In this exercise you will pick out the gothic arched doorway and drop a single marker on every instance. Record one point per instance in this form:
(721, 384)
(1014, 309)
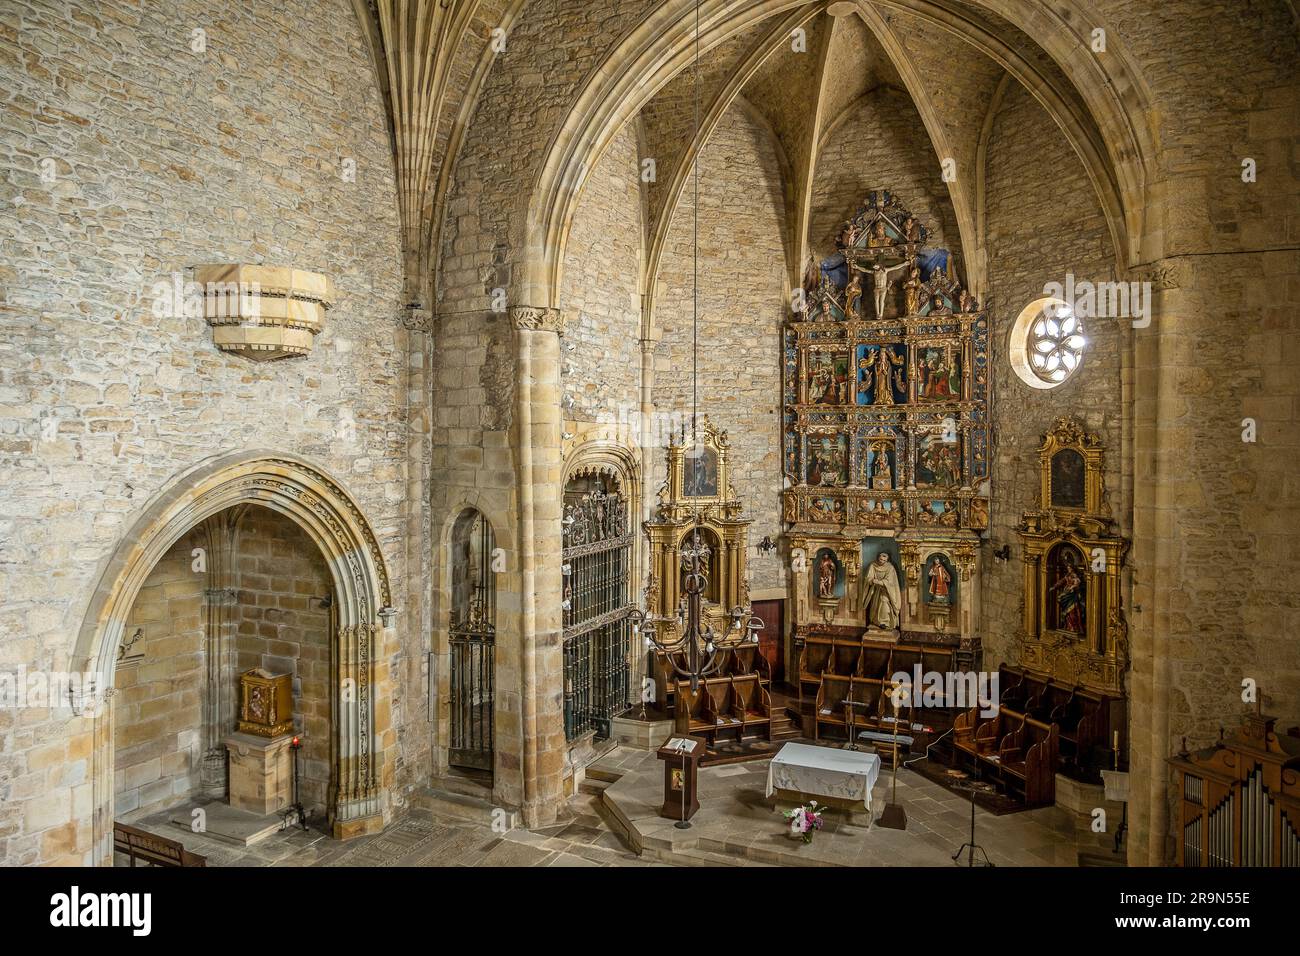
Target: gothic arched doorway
(472, 642)
(360, 605)
(597, 568)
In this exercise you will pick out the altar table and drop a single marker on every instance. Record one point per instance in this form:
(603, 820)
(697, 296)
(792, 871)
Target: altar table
(838, 777)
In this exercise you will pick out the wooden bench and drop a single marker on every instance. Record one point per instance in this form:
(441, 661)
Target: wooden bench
(829, 707)
(1016, 751)
(744, 660)
(753, 705)
(693, 710)
(1084, 717)
(874, 662)
(155, 850)
(724, 707)
(722, 694)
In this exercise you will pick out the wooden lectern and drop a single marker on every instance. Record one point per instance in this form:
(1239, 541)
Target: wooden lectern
(681, 756)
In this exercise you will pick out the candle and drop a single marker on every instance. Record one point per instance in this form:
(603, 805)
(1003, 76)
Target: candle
(1116, 740)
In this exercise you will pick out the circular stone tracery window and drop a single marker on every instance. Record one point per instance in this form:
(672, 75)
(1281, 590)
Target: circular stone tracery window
(1047, 343)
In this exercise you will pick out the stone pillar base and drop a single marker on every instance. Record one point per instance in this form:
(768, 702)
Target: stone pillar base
(261, 772)
(212, 778)
(358, 827)
(641, 734)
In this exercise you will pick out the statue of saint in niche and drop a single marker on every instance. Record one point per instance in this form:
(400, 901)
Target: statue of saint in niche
(881, 476)
(853, 292)
(826, 577)
(912, 287)
(940, 581)
(881, 595)
(886, 369)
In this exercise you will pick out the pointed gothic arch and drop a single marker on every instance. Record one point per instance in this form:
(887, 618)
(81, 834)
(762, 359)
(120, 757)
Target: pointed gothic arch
(316, 502)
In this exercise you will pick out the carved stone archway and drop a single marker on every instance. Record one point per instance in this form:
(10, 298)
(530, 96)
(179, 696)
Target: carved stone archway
(306, 494)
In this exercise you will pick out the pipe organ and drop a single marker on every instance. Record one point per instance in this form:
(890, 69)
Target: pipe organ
(1240, 799)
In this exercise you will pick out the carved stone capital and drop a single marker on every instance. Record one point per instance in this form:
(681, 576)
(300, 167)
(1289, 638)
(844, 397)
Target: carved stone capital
(1162, 274)
(527, 318)
(417, 320)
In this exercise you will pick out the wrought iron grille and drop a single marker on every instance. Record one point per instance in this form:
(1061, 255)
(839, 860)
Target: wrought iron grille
(472, 641)
(597, 607)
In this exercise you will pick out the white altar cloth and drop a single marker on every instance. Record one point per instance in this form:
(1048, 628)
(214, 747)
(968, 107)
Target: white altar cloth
(824, 772)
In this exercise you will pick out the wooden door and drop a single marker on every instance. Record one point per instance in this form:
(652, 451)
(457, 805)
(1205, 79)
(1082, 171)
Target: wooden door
(771, 639)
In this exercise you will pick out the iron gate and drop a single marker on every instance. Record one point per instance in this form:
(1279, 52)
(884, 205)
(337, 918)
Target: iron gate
(597, 607)
(472, 642)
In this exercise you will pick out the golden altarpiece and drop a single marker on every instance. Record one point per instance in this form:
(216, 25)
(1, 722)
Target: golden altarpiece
(886, 404)
(697, 494)
(698, 485)
(1073, 629)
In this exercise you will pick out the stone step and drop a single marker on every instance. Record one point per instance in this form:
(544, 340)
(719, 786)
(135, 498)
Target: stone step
(694, 856)
(593, 785)
(466, 808)
(462, 783)
(603, 774)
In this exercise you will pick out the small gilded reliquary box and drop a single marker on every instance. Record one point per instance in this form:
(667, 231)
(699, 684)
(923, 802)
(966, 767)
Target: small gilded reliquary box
(265, 703)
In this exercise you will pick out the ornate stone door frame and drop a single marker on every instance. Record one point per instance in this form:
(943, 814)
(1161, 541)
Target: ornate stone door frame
(362, 774)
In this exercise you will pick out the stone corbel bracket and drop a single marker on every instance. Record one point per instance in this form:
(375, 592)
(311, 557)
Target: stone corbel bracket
(264, 313)
(528, 318)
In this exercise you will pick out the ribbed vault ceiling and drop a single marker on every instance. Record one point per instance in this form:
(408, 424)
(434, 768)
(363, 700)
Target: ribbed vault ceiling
(949, 56)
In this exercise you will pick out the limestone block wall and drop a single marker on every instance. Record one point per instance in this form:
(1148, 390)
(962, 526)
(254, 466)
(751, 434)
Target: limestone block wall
(525, 99)
(881, 143)
(482, 452)
(742, 302)
(601, 354)
(158, 707)
(1043, 221)
(161, 159)
(1214, 516)
(283, 627)
(473, 378)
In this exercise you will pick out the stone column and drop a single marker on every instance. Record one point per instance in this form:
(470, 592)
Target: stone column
(219, 536)
(420, 543)
(1149, 616)
(537, 433)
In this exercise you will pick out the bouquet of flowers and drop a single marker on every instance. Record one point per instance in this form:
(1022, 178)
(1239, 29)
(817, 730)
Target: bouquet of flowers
(804, 820)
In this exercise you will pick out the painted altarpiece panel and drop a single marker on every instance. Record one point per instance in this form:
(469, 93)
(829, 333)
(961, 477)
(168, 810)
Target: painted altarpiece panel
(1073, 628)
(916, 418)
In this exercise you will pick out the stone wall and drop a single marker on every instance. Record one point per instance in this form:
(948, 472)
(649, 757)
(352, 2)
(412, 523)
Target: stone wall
(601, 295)
(880, 144)
(1043, 221)
(158, 707)
(163, 159)
(1214, 516)
(283, 626)
(742, 302)
(525, 99)
(474, 391)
